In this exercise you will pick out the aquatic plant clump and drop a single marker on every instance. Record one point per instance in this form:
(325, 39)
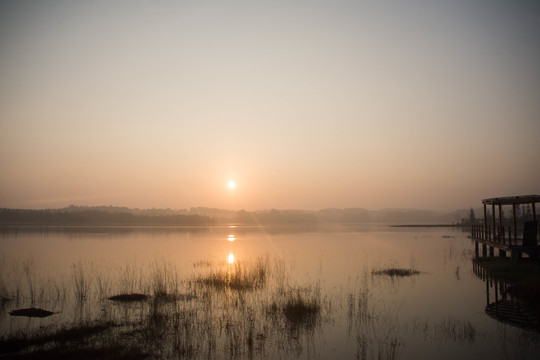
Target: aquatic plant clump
(301, 311)
(396, 272)
(242, 276)
(129, 297)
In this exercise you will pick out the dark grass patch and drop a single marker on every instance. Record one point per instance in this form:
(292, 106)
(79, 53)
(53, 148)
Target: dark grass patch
(129, 297)
(396, 272)
(300, 308)
(106, 352)
(62, 335)
(31, 312)
(301, 312)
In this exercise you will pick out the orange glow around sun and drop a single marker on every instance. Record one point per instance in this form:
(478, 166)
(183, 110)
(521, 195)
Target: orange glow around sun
(231, 185)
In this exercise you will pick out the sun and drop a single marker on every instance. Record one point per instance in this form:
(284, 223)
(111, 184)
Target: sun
(231, 185)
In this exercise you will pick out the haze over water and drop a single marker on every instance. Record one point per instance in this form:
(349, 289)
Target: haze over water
(304, 104)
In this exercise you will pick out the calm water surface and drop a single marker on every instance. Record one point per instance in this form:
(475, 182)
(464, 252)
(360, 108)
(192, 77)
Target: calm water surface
(436, 314)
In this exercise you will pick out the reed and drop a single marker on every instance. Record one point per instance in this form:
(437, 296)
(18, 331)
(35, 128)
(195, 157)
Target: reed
(82, 281)
(131, 278)
(241, 276)
(164, 279)
(302, 308)
(28, 270)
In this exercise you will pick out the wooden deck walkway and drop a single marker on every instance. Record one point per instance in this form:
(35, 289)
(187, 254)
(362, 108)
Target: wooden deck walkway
(506, 238)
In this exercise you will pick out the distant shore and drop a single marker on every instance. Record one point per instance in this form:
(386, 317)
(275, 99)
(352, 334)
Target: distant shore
(428, 225)
(121, 216)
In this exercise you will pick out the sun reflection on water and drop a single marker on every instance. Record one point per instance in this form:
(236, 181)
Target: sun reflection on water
(230, 258)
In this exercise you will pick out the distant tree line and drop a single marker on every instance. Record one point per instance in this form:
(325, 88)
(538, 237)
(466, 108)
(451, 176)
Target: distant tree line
(94, 217)
(110, 215)
(274, 217)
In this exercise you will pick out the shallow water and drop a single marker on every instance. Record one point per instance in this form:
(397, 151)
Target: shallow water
(436, 314)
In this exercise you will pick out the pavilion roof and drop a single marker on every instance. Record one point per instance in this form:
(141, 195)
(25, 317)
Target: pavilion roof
(509, 200)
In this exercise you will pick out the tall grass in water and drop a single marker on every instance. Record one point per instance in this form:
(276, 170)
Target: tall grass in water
(164, 279)
(240, 276)
(446, 330)
(28, 270)
(302, 307)
(82, 281)
(3, 287)
(375, 327)
(131, 279)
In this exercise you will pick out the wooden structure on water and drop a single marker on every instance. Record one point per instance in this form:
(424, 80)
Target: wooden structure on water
(516, 239)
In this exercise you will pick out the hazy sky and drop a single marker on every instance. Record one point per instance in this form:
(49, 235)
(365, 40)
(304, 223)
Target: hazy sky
(305, 104)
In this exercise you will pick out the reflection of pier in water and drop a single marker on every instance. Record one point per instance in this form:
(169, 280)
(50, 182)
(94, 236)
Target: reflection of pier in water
(502, 305)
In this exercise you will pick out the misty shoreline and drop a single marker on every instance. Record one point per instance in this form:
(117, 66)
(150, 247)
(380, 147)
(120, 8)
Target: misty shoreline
(120, 216)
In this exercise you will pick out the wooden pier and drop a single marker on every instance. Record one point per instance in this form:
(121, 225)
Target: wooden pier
(514, 239)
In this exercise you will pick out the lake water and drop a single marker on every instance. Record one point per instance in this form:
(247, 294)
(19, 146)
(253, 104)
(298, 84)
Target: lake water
(439, 313)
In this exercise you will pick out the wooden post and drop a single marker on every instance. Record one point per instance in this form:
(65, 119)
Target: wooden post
(500, 221)
(496, 299)
(487, 291)
(493, 220)
(514, 223)
(485, 221)
(533, 211)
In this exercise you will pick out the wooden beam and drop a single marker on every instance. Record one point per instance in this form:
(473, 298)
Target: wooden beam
(514, 222)
(524, 199)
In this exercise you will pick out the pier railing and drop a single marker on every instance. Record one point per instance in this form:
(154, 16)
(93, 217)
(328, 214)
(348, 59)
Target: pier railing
(500, 234)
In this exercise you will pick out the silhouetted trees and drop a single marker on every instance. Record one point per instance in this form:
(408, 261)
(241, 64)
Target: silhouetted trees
(472, 217)
(94, 217)
(109, 215)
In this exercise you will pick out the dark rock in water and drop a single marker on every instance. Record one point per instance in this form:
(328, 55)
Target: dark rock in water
(31, 312)
(129, 297)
